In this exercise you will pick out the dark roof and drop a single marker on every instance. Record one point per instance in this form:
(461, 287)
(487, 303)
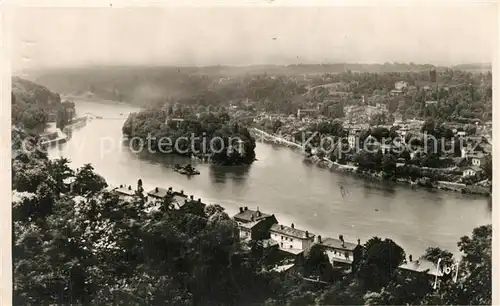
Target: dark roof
(162, 193)
(290, 231)
(475, 168)
(246, 215)
(337, 244)
(421, 265)
(248, 225)
(69, 180)
(476, 154)
(179, 199)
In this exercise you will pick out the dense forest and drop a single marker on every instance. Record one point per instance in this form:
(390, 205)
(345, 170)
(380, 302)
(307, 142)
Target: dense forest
(34, 105)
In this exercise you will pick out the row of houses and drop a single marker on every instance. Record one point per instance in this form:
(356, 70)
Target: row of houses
(472, 155)
(179, 199)
(294, 243)
(253, 225)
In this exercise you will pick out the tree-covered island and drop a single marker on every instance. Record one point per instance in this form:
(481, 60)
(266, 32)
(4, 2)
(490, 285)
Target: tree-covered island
(191, 131)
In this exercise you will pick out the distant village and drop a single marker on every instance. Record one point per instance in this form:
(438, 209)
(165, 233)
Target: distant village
(470, 163)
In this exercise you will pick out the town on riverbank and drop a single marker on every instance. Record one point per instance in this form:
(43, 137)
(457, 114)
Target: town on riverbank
(369, 140)
(116, 235)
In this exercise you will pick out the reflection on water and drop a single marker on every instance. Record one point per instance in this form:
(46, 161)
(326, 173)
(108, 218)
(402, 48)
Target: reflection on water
(217, 177)
(236, 174)
(297, 192)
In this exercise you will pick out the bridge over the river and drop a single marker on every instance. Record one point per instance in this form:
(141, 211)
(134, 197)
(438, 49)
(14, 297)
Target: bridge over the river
(264, 136)
(94, 116)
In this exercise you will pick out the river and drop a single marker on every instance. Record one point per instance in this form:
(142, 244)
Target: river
(281, 183)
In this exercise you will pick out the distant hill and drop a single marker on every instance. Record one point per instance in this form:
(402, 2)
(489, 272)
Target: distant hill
(32, 93)
(32, 104)
(142, 84)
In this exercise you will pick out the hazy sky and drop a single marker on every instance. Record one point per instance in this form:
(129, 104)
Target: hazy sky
(47, 37)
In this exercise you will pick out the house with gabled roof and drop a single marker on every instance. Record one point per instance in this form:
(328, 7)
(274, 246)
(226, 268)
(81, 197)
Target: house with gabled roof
(254, 224)
(125, 192)
(158, 193)
(291, 240)
(341, 252)
(471, 171)
(421, 265)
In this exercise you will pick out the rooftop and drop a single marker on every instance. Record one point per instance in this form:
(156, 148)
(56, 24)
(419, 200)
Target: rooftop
(333, 257)
(292, 251)
(476, 154)
(338, 244)
(283, 268)
(267, 243)
(179, 199)
(249, 215)
(125, 191)
(291, 231)
(475, 168)
(69, 180)
(158, 192)
(422, 265)
(248, 225)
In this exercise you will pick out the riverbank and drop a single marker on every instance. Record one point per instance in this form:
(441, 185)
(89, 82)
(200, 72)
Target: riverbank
(95, 100)
(380, 176)
(372, 175)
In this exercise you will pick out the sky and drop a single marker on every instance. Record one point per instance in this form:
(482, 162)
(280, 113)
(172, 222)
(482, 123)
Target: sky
(182, 36)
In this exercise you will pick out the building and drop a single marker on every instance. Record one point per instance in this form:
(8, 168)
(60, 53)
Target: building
(125, 192)
(433, 75)
(381, 106)
(254, 224)
(178, 199)
(158, 193)
(309, 113)
(475, 145)
(175, 121)
(471, 171)
(286, 268)
(428, 103)
(68, 183)
(353, 137)
(290, 239)
(183, 203)
(396, 92)
(339, 251)
(478, 159)
(421, 265)
(400, 85)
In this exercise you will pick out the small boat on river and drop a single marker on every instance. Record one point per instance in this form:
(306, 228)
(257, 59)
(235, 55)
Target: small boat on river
(186, 170)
